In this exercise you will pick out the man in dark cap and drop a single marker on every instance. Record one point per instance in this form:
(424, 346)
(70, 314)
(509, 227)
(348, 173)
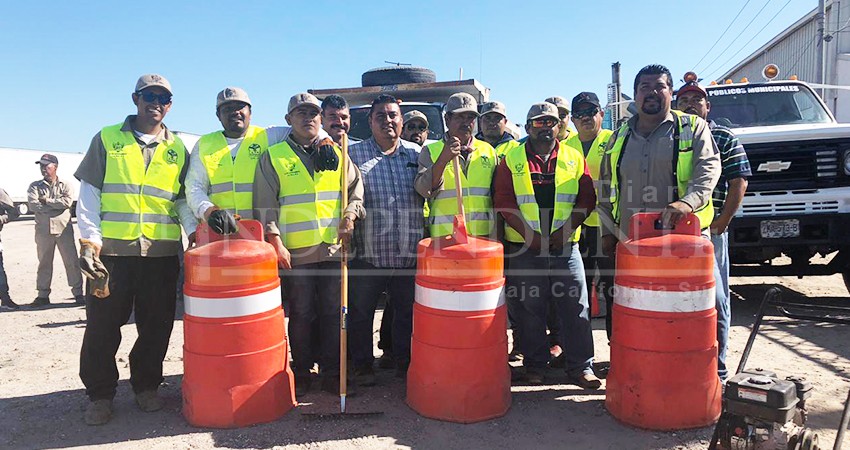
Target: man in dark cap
(51, 199)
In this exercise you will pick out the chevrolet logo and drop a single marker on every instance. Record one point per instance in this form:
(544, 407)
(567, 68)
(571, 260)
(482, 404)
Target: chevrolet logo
(773, 166)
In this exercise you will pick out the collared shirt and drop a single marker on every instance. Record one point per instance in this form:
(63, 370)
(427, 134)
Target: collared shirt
(542, 171)
(733, 160)
(91, 173)
(388, 237)
(267, 206)
(646, 173)
(422, 184)
(54, 215)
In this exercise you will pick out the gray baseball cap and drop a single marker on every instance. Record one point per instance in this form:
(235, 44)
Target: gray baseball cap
(494, 107)
(544, 109)
(153, 79)
(232, 94)
(460, 103)
(303, 98)
(415, 115)
(559, 102)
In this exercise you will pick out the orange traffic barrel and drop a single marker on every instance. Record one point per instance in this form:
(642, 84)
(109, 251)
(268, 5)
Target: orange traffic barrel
(663, 372)
(235, 353)
(459, 350)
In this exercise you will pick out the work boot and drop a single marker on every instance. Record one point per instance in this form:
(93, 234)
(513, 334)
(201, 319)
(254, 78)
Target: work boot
(535, 375)
(558, 362)
(148, 401)
(40, 301)
(386, 361)
(364, 376)
(99, 412)
(330, 384)
(586, 380)
(401, 368)
(7, 303)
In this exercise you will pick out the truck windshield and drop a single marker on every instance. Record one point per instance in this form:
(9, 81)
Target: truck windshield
(765, 104)
(360, 120)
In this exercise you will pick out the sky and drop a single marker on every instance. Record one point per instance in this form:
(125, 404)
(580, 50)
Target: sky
(69, 68)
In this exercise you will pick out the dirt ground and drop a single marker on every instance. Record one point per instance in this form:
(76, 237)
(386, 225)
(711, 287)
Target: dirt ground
(42, 399)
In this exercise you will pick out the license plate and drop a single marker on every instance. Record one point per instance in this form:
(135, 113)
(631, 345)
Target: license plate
(776, 229)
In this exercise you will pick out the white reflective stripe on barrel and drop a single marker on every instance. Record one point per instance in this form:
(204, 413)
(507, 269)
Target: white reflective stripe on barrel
(664, 301)
(460, 300)
(217, 308)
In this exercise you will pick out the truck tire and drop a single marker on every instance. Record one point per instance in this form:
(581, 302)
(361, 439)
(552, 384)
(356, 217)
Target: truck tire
(382, 76)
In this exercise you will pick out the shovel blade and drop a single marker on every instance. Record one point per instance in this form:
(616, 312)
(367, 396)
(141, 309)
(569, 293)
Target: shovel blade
(459, 234)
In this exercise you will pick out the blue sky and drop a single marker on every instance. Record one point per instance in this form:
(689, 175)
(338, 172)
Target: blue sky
(69, 67)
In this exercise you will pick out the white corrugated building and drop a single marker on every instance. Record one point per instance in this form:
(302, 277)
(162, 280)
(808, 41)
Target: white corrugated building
(795, 51)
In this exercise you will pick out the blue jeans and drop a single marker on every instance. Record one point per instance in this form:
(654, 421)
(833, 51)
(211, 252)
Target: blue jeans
(533, 281)
(724, 308)
(367, 284)
(4, 282)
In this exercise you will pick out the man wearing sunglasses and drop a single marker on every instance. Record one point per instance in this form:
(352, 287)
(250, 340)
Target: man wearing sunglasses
(544, 191)
(223, 163)
(415, 128)
(493, 125)
(436, 178)
(129, 214)
(592, 140)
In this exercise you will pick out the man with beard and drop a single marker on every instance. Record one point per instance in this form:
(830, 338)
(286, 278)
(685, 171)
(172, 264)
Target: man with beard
(592, 140)
(223, 163)
(658, 161)
(415, 128)
(297, 197)
(129, 213)
(336, 118)
(436, 178)
(544, 192)
(493, 125)
(727, 198)
(385, 241)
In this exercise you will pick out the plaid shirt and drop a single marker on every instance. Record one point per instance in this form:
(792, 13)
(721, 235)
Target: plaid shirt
(394, 225)
(733, 160)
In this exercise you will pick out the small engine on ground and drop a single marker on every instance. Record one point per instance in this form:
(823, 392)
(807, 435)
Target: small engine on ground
(764, 412)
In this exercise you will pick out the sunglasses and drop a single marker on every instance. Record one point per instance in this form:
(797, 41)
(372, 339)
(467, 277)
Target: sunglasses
(150, 97)
(543, 122)
(589, 112)
(412, 127)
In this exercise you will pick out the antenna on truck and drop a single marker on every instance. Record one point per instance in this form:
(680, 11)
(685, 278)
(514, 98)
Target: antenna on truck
(398, 64)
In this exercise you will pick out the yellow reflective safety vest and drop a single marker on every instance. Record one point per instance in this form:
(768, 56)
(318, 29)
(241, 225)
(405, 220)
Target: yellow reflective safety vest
(683, 164)
(503, 148)
(476, 182)
(310, 206)
(232, 181)
(568, 170)
(593, 160)
(136, 201)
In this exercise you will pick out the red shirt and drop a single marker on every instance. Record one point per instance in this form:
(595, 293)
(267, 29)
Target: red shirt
(543, 181)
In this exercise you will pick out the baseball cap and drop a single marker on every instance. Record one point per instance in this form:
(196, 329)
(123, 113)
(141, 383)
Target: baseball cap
(559, 102)
(415, 115)
(303, 98)
(47, 158)
(544, 109)
(153, 79)
(461, 102)
(493, 107)
(585, 97)
(691, 86)
(232, 94)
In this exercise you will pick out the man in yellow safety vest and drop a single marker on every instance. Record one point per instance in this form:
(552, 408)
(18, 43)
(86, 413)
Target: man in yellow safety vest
(436, 178)
(129, 213)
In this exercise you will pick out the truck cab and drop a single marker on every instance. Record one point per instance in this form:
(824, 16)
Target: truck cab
(798, 199)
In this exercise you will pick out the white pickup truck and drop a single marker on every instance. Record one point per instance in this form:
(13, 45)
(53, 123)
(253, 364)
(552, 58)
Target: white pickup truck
(798, 200)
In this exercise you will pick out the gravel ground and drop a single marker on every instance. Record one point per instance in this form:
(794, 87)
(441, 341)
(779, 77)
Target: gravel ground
(42, 400)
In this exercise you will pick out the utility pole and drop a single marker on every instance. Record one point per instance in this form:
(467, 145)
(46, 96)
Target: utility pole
(820, 68)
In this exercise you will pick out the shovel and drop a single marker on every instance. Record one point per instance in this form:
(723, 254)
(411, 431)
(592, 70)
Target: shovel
(459, 233)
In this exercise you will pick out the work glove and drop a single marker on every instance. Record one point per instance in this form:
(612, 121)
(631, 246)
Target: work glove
(324, 156)
(93, 268)
(222, 222)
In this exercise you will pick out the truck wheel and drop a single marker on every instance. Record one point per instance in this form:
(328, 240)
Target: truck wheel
(397, 75)
(23, 209)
